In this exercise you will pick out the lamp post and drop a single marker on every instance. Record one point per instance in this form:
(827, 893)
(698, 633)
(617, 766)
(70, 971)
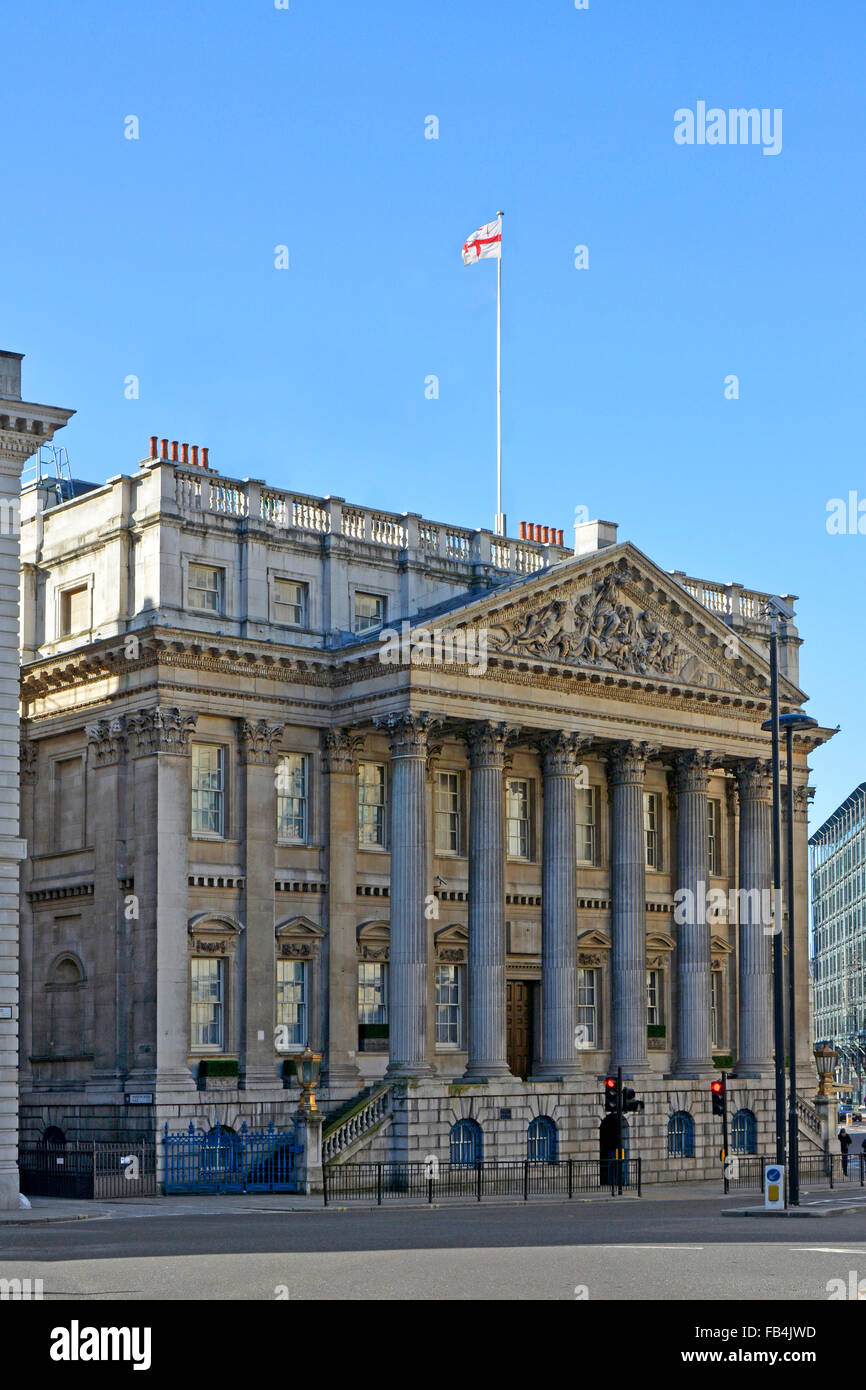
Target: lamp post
(790, 722)
(777, 608)
(307, 1067)
(826, 1057)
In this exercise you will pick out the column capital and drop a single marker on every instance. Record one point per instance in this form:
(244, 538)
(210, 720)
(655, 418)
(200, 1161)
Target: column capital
(803, 798)
(162, 730)
(256, 740)
(408, 731)
(561, 752)
(108, 739)
(340, 749)
(487, 741)
(753, 777)
(626, 762)
(692, 770)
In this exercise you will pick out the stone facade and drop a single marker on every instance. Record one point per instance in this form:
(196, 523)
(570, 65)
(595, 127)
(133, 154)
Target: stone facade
(23, 428)
(422, 797)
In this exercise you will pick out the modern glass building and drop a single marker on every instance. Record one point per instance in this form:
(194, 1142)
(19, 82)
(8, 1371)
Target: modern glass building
(838, 868)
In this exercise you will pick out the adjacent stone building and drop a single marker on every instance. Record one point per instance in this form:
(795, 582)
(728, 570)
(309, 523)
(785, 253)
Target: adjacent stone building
(473, 816)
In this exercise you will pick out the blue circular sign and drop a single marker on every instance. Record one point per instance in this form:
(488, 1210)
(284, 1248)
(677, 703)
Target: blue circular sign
(774, 1174)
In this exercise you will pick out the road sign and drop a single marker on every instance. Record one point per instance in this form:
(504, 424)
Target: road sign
(774, 1186)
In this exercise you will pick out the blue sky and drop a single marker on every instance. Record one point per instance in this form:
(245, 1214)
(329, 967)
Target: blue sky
(306, 127)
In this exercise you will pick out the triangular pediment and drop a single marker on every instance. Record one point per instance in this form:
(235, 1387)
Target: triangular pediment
(299, 926)
(615, 613)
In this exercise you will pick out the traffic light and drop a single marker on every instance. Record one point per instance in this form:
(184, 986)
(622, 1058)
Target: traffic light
(630, 1100)
(610, 1095)
(719, 1094)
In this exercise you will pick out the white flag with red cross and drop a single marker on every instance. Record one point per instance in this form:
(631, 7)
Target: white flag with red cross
(485, 244)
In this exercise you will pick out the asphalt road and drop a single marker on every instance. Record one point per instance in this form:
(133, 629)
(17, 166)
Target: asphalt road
(631, 1250)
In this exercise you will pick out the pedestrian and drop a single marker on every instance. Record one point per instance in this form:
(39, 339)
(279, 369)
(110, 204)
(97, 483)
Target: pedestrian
(844, 1144)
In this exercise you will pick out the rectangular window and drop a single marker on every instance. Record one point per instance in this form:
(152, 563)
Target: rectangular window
(448, 1005)
(371, 804)
(292, 1000)
(714, 844)
(74, 610)
(291, 602)
(369, 612)
(654, 1010)
(208, 789)
(715, 1003)
(292, 798)
(586, 825)
(372, 1007)
(448, 827)
(206, 588)
(651, 830)
(207, 1003)
(587, 1008)
(518, 825)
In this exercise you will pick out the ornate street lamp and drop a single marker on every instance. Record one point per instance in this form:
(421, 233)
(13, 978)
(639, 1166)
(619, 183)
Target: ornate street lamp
(826, 1058)
(307, 1068)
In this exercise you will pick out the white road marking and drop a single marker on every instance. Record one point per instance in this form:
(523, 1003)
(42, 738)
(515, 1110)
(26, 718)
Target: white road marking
(822, 1250)
(652, 1247)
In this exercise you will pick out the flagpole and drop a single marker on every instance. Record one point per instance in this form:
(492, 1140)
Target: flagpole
(500, 519)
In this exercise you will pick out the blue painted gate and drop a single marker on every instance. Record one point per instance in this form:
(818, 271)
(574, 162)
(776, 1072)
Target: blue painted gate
(229, 1160)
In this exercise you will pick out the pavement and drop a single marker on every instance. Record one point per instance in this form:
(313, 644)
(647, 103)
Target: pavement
(47, 1209)
(51, 1209)
(670, 1245)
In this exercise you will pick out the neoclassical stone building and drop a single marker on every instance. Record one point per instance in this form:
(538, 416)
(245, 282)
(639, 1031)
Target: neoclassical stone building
(480, 819)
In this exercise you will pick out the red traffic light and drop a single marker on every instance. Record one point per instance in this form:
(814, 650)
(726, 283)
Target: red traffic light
(610, 1082)
(717, 1087)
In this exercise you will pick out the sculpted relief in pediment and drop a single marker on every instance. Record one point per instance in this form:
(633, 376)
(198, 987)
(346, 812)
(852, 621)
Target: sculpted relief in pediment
(595, 628)
(606, 626)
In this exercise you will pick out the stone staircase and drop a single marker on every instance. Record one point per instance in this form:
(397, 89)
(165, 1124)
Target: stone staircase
(810, 1126)
(353, 1127)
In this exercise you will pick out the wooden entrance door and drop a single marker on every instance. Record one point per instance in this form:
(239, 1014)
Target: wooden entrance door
(518, 1025)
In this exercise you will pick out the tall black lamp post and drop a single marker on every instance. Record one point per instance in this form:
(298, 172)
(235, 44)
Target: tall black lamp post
(790, 723)
(777, 608)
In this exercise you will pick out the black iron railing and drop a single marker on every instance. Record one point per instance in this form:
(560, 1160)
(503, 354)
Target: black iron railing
(95, 1170)
(746, 1171)
(432, 1181)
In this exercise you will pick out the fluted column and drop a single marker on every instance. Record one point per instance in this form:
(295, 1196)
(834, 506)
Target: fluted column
(626, 770)
(560, 755)
(340, 748)
(755, 1053)
(407, 987)
(487, 1044)
(258, 748)
(694, 1041)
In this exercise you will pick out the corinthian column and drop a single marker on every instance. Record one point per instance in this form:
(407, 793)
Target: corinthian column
(560, 754)
(407, 980)
(340, 748)
(755, 1055)
(694, 1041)
(626, 769)
(487, 1050)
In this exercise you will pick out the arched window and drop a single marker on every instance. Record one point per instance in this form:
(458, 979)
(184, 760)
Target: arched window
(744, 1133)
(681, 1135)
(53, 1138)
(541, 1140)
(466, 1143)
